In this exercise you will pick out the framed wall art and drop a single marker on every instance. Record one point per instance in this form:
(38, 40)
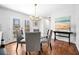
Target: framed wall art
(63, 23)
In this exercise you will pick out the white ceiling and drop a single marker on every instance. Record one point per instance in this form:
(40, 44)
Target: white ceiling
(44, 10)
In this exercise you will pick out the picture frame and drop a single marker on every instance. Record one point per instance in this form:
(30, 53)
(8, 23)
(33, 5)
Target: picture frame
(63, 23)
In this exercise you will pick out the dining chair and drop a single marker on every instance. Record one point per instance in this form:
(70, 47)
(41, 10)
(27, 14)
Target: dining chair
(32, 42)
(47, 40)
(19, 39)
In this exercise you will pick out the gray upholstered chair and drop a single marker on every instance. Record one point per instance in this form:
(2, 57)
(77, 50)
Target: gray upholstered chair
(32, 41)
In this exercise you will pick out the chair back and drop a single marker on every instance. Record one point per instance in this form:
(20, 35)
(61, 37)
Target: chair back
(32, 41)
(19, 36)
(47, 34)
(50, 35)
(36, 30)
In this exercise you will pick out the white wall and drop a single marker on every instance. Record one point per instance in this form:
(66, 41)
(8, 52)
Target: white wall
(77, 25)
(67, 10)
(6, 20)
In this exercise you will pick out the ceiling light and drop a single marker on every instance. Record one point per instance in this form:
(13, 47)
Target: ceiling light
(35, 17)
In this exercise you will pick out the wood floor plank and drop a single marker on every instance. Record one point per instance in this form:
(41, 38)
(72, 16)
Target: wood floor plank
(58, 48)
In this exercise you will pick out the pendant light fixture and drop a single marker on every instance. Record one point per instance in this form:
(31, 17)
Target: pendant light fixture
(35, 17)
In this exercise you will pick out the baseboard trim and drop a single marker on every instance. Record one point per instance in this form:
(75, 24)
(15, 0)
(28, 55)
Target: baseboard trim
(10, 42)
(77, 47)
(7, 44)
(23, 42)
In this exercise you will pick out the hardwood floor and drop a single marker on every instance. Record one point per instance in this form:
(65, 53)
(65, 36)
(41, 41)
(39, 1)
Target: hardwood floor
(58, 48)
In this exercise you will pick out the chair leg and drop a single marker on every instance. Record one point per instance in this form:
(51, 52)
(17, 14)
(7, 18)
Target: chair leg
(41, 47)
(50, 46)
(21, 44)
(16, 47)
(39, 53)
(26, 53)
